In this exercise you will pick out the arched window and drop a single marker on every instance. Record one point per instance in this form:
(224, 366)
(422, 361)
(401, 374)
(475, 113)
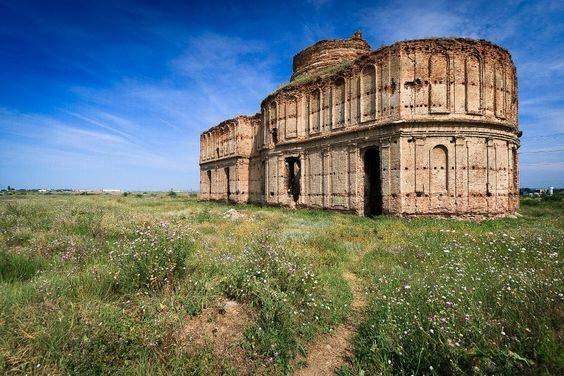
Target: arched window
(232, 139)
(291, 117)
(209, 146)
(202, 147)
(438, 78)
(355, 100)
(473, 84)
(499, 82)
(222, 143)
(509, 93)
(439, 169)
(340, 102)
(273, 118)
(368, 93)
(514, 170)
(315, 111)
(281, 118)
(219, 142)
(382, 85)
(265, 121)
(326, 109)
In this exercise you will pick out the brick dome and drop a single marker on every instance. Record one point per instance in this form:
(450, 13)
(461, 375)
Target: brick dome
(326, 53)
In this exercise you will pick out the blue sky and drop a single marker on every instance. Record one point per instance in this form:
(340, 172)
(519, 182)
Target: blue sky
(114, 94)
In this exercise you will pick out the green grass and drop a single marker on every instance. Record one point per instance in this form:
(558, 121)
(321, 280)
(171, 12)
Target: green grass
(106, 284)
(15, 267)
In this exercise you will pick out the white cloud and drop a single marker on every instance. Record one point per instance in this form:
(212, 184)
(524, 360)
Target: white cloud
(44, 136)
(392, 23)
(495, 21)
(229, 72)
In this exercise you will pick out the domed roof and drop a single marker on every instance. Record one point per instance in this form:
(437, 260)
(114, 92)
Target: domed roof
(327, 53)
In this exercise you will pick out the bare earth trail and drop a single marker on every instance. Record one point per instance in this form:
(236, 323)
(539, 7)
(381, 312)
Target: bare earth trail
(329, 351)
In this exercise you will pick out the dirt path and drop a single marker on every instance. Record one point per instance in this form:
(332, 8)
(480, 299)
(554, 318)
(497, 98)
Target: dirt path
(219, 329)
(329, 351)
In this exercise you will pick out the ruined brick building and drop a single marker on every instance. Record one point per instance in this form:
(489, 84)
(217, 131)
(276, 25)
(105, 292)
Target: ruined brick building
(418, 127)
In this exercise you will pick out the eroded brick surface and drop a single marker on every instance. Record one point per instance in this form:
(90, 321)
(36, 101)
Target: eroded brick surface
(418, 127)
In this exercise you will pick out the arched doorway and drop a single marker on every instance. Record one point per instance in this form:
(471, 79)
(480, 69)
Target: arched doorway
(228, 188)
(372, 182)
(293, 166)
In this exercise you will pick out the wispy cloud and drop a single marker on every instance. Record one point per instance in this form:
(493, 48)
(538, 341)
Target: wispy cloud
(496, 21)
(154, 124)
(48, 136)
(228, 71)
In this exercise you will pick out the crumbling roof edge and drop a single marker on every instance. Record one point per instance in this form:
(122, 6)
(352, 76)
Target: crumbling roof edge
(233, 120)
(325, 42)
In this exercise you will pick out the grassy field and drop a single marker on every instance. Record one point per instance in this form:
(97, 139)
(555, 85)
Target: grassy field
(159, 284)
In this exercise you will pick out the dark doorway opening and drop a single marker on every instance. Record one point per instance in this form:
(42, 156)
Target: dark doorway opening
(210, 182)
(227, 181)
(372, 182)
(263, 180)
(294, 173)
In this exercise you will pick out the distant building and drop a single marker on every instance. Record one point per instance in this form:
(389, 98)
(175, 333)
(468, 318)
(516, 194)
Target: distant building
(112, 191)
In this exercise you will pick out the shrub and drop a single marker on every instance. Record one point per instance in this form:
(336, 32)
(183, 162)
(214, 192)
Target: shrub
(153, 259)
(295, 298)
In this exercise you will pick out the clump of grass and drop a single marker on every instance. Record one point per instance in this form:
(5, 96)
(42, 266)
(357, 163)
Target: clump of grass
(18, 267)
(204, 216)
(155, 257)
(308, 78)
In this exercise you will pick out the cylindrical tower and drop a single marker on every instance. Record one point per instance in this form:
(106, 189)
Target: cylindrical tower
(325, 54)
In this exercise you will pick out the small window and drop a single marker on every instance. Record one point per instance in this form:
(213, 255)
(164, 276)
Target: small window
(439, 169)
